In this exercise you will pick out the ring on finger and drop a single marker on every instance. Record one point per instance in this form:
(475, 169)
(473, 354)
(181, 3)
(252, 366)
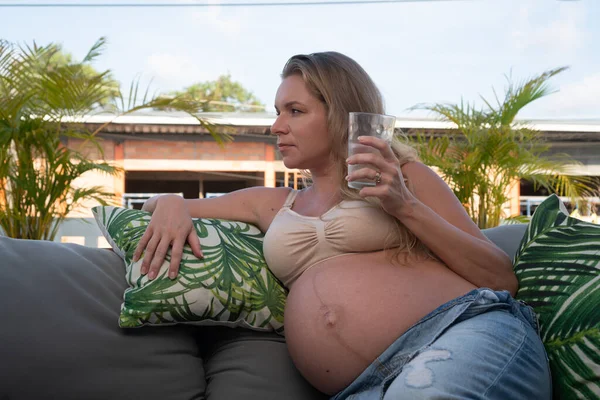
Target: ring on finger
(377, 177)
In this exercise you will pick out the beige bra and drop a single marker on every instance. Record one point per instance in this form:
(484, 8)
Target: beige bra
(294, 243)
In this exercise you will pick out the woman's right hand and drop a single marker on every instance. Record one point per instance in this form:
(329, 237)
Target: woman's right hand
(171, 226)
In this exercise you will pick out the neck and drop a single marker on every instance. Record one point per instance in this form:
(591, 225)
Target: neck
(325, 185)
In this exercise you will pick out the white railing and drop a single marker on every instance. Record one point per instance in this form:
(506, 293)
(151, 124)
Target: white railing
(129, 199)
(528, 203)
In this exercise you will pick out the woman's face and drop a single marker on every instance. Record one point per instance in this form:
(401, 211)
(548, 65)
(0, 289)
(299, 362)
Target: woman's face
(301, 126)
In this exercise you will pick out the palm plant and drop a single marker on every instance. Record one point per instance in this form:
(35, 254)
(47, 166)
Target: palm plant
(488, 152)
(41, 105)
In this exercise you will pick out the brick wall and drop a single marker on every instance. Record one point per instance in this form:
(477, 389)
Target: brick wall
(188, 150)
(154, 153)
(177, 150)
(91, 151)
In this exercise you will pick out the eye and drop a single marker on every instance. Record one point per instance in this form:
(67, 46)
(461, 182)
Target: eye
(296, 111)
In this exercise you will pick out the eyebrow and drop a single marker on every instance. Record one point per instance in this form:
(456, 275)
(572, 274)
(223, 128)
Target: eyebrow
(290, 104)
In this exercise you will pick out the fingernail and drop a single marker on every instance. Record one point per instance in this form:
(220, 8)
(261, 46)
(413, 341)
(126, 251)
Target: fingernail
(152, 275)
(172, 275)
(347, 178)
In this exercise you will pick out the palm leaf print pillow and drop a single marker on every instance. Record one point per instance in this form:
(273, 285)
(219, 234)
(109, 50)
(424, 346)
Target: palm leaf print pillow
(558, 267)
(230, 286)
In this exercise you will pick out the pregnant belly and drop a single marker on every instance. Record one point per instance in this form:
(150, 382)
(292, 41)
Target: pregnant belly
(343, 313)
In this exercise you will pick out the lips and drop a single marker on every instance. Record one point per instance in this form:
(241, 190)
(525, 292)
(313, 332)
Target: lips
(282, 146)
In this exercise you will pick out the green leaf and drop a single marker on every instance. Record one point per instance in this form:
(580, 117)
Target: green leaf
(230, 284)
(43, 95)
(558, 268)
(488, 152)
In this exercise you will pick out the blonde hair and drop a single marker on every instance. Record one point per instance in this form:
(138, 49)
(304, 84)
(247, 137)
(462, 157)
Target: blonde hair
(344, 87)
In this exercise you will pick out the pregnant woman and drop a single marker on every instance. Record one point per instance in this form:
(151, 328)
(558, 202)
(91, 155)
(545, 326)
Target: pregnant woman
(394, 292)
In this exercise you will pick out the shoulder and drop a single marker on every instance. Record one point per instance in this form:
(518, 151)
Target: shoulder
(424, 182)
(266, 196)
(268, 202)
(267, 191)
(263, 191)
(416, 172)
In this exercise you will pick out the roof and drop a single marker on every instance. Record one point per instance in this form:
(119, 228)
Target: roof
(267, 119)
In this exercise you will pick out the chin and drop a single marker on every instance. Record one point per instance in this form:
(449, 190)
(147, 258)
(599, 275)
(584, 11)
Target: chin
(291, 164)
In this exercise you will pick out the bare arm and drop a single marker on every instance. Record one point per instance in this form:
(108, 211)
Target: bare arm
(246, 205)
(435, 216)
(438, 219)
(171, 224)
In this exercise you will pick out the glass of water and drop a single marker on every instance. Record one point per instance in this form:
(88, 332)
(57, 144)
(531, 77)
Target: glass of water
(367, 124)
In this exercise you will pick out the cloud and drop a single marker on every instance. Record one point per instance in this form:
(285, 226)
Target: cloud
(230, 24)
(174, 70)
(577, 99)
(552, 32)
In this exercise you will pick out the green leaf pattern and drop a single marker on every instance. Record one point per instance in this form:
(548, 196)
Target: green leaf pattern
(230, 286)
(558, 267)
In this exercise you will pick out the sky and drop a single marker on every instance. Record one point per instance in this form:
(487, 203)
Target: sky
(416, 52)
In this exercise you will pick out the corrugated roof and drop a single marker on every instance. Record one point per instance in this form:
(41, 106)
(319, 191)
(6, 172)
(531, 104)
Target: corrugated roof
(266, 119)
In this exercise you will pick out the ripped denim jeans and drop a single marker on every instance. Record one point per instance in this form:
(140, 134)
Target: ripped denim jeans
(483, 345)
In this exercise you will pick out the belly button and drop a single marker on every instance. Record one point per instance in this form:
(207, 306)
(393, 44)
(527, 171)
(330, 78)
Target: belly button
(329, 316)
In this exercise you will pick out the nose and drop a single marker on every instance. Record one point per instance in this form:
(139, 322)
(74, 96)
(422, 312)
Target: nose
(280, 126)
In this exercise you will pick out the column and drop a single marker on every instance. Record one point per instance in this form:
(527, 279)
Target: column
(269, 165)
(515, 198)
(119, 180)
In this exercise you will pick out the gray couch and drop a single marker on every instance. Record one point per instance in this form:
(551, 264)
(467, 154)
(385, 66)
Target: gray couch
(59, 337)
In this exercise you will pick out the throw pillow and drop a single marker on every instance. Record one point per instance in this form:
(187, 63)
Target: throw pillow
(230, 286)
(558, 267)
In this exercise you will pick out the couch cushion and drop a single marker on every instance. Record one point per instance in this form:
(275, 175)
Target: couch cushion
(257, 362)
(230, 286)
(59, 337)
(558, 267)
(507, 237)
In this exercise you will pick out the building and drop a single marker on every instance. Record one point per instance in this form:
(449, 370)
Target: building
(172, 153)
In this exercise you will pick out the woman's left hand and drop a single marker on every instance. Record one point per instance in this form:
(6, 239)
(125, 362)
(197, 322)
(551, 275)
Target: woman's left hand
(390, 188)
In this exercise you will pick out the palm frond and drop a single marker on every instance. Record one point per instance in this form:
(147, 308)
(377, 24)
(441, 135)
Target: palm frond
(95, 51)
(43, 95)
(558, 268)
(519, 96)
(487, 153)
